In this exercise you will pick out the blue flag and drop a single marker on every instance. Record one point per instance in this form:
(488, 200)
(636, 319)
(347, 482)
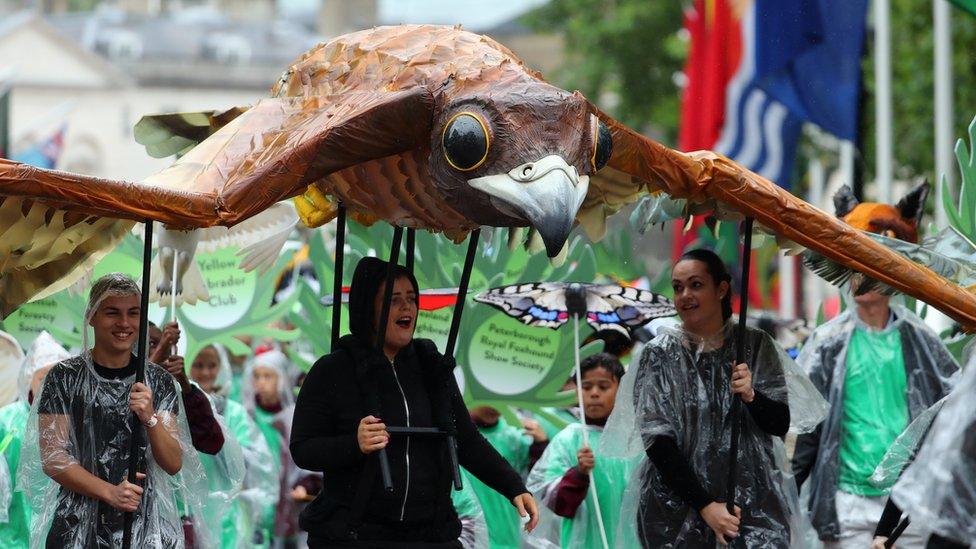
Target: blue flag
(808, 57)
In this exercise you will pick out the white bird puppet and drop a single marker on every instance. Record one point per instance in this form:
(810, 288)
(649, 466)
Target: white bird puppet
(260, 238)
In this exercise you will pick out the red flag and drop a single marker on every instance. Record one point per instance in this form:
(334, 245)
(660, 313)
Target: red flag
(713, 58)
(716, 50)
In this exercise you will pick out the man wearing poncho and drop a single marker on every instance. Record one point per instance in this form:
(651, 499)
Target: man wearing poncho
(78, 435)
(879, 366)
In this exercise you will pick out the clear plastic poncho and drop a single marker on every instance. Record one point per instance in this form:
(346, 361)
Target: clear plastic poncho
(225, 478)
(929, 370)
(938, 489)
(609, 479)
(6, 490)
(15, 513)
(681, 389)
(81, 419)
(259, 488)
(474, 529)
(512, 444)
(281, 517)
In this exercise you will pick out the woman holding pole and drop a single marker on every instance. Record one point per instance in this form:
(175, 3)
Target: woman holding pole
(680, 402)
(363, 398)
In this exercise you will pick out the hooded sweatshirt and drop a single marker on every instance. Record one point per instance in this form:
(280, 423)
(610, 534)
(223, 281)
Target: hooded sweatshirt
(418, 390)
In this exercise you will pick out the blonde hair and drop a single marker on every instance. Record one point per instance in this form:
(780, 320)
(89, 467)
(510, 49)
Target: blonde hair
(110, 285)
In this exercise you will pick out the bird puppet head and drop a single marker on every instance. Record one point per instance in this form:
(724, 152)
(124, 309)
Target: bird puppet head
(518, 160)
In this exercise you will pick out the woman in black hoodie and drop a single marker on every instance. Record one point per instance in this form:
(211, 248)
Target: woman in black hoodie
(345, 403)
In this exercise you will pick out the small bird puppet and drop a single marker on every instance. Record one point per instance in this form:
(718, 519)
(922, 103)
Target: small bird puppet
(260, 238)
(420, 126)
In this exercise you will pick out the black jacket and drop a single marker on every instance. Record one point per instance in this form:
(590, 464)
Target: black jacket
(336, 396)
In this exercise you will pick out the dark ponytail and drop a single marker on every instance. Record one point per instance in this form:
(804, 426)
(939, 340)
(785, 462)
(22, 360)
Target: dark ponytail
(717, 270)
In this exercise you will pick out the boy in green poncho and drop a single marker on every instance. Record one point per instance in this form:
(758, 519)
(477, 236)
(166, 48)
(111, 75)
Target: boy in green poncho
(520, 448)
(563, 476)
(42, 355)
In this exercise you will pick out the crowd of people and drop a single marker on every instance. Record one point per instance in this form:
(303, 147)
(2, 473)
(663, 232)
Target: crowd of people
(228, 456)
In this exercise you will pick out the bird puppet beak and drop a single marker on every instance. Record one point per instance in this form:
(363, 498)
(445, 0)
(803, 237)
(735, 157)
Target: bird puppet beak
(547, 192)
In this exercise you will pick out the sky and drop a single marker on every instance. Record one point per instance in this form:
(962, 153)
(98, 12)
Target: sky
(473, 14)
(476, 14)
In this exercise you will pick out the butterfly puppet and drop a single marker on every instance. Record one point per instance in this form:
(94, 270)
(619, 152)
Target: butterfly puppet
(420, 126)
(607, 307)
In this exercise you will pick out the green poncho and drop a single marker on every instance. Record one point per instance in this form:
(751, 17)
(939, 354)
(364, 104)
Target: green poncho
(609, 477)
(474, 530)
(16, 531)
(260, 483)
(503, 520)
(265, 423)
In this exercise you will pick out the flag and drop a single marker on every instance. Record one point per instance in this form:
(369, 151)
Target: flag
(713, 59)
(758, 131)
(966, 5)
(4, 117)
(45, 153)
(714, 55)
(808, 57)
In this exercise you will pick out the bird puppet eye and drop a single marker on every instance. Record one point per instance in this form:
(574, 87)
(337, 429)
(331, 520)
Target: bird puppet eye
(602, 146)
(466, 141)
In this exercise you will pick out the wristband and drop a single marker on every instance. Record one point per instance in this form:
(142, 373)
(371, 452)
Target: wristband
(153, 420)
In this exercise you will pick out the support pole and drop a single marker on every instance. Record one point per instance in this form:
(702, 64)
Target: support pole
(381, 338)
(141, 347)
(462, 292)
(340, 251)
(586, 433)
(740, 351)
(452, 339)
(944, 157)
(411, 245)
(898, 531)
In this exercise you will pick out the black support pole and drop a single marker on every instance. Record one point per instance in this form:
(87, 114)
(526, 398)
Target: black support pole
(462, 292)
(452, 340)
(896, 533)
(340, 251)
(411, 245)
(381, 338)
(740, 350)
(136, 427)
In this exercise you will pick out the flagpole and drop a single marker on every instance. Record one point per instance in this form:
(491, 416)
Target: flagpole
(942, 34)
(815, 287)
(882, 77)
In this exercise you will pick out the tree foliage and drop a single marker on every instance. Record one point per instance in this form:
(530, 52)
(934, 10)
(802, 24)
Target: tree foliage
(913, 87)
(623, 54)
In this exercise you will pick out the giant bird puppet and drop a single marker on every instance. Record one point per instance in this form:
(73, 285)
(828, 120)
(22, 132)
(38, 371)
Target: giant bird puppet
(422, 127)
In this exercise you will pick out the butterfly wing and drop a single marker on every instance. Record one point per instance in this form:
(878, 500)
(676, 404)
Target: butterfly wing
(537, 304)
(613, 307)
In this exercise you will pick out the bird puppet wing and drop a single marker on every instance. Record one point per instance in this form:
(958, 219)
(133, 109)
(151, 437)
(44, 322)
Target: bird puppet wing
(707, 177)
(429, 127)
(56, 225)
